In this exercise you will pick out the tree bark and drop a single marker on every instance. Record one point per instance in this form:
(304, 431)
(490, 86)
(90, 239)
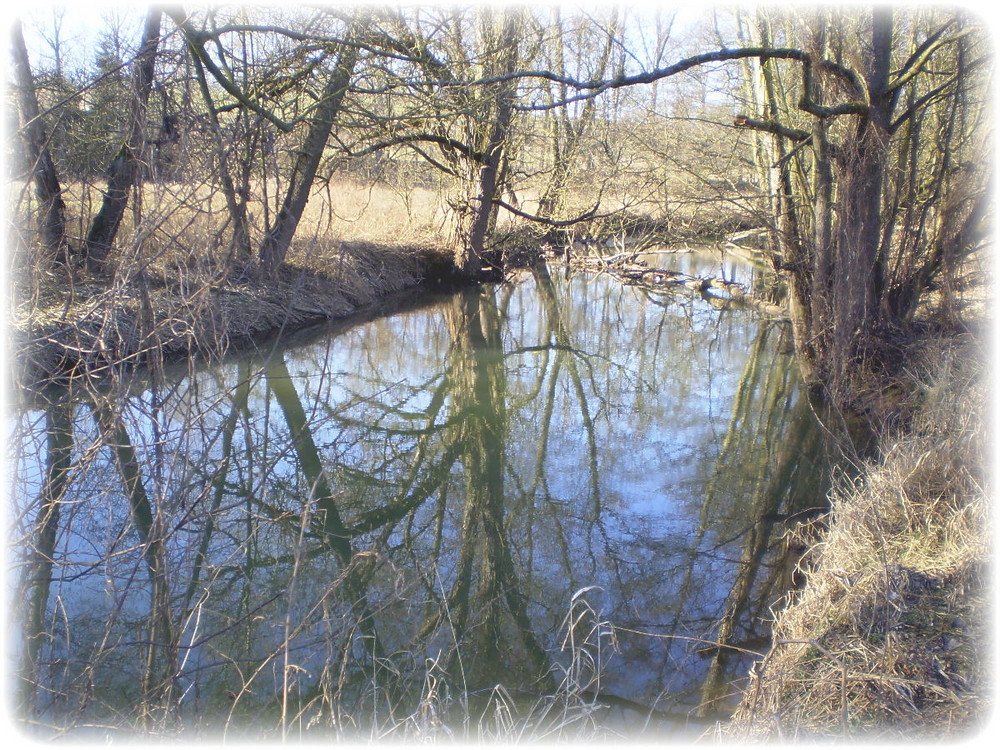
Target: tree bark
(859, 280)
(276, 243)
(124, 171)
(51, 218)
(471, 257)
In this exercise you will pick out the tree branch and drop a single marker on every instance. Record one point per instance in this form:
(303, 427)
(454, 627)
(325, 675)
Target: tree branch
(196, 44)
(587, 215)
(769, 126)
(400, 140)
(923, 100)
(806, 104)
(593, 88)
(923, 53)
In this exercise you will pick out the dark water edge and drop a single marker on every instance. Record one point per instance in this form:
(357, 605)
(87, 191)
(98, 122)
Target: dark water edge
(562, 486)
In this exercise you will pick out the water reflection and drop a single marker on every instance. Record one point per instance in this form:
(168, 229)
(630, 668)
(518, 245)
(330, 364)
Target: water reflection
(370, 531)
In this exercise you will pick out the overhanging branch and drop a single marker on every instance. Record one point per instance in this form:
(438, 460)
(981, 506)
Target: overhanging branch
(412, 138)
(769, 126)
(196, 44)
(587, 215)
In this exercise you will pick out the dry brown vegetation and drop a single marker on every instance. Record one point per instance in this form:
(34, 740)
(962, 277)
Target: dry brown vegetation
(886, 639)
(167, 297)
(890, 636)
(173, 291)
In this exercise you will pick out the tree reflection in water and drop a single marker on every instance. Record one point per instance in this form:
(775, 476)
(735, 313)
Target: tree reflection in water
(368, 532)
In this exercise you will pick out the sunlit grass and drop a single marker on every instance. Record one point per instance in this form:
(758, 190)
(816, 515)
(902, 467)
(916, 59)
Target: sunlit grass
(887, 639)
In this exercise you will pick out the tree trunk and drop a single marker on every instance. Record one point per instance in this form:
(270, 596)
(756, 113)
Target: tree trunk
(235, 203)
(859, 280)
(124, 171)
(274, 248)
(471, 257)
(790, 253)
(568, 133)
(51, 217)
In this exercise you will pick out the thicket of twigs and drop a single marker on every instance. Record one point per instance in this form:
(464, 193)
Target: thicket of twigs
(175, 292)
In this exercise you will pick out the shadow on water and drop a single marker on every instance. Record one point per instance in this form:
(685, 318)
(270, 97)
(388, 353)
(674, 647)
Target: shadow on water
(561, 498)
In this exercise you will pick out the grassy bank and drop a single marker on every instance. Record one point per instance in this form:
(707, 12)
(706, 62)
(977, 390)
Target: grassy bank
(172, 290)
(890, 637)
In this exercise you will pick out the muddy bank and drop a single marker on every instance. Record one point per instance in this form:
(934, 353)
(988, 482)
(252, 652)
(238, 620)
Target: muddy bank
(99, 327)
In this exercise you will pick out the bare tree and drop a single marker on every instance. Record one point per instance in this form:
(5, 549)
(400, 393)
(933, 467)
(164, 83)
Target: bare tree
(275, 246)
(472, 255)
(124, 170)
(52, 208)
(849, 279)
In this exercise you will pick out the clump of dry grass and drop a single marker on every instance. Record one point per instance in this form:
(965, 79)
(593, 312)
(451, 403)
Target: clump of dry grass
(887, 639)
(572, 712)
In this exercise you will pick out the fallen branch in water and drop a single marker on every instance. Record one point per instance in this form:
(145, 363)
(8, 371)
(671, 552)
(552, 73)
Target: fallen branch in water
(624, 267)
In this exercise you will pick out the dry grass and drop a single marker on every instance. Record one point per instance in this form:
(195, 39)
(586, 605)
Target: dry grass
(173, 290)
(379, 213)
(338, 210)
(88, 326)
(887, 640)
(572, 712)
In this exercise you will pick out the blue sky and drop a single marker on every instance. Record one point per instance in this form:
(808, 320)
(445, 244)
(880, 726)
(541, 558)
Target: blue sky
(79, 26)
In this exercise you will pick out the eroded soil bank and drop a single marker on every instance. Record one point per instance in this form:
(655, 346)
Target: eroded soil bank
(76, 324)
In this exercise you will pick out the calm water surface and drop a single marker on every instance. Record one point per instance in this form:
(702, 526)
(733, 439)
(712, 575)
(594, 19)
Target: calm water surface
(564, 486)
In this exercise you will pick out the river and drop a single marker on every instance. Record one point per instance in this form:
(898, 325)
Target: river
(532, 508)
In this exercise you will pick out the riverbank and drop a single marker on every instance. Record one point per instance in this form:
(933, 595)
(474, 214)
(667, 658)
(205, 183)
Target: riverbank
(70, 323)
(887, 637)
(890, 637)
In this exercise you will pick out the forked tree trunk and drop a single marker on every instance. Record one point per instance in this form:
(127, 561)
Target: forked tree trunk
(831, 254)
(471, 256)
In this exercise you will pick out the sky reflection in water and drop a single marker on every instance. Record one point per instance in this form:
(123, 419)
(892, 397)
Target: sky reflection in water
(478, 459)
